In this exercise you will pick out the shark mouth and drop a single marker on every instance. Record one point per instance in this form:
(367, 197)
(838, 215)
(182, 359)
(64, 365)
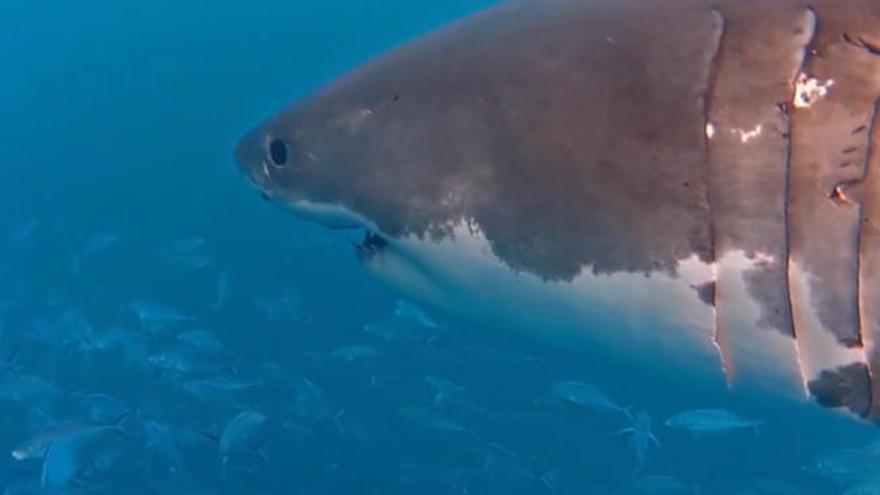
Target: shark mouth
(371, 245)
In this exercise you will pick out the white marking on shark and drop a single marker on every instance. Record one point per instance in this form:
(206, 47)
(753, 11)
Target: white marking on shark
(819, 349)
(755, 355)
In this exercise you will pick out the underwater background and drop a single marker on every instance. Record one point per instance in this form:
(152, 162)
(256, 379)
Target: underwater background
(164, 331)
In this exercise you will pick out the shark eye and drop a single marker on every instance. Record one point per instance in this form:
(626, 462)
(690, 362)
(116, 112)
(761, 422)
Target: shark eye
(278, 152)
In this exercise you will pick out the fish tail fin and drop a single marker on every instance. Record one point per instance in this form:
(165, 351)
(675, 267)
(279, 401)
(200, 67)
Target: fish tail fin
(654, 439)
(121, 423)
(262, 451)
(41, 416)
(337, 420)
(210, 435)
(122, 417)
(44, 473)
(628, 412)
(625, 431)
(12, 363)
(431, 342)
(475, 437)
(756, 427)
(637, 470)
(249, 473)
(233, 368)
(161, 373)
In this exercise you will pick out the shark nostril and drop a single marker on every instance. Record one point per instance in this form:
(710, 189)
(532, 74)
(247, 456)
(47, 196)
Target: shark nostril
(278, 152)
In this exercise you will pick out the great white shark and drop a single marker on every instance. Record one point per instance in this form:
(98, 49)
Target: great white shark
(693, 185)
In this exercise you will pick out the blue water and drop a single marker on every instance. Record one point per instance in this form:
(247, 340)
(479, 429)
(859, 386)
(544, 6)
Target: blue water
(117, 185)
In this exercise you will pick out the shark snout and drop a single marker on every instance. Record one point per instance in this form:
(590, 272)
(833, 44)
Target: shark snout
(250, 155)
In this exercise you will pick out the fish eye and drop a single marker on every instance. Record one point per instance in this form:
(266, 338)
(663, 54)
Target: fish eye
(278, 152)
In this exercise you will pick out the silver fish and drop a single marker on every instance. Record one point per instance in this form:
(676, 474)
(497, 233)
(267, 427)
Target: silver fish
(187, 245)
(288, 306)
(36, 446)
(442, 385)
(351, 427)
(185, 252)
(711, 421)
(662, 485)
(429, 419)
(406, 309)
(113, 337)
(202, 340)
(868, 487)
(191, 260)
(205, 387)
(398, 330)
(99, 244)
(94, 246)
(452, 399)
(239, 429)
(362, 355)
(640, 438)
(71, 328)
(25, 230)
(160, 442)
(309, 400)
(185, 361)
(155, 316)
(26, 388)
(222, 289)
(585, 396)
(237, 433)
(845, 466)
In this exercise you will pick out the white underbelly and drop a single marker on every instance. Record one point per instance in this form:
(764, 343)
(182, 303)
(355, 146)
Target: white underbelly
(653, 321)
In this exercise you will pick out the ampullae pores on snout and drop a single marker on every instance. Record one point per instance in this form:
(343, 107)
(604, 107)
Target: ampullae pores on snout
(690, 184)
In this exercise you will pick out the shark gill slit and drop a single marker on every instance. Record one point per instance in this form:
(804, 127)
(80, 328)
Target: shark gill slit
(712, 77)
(805, 57)
(872, 126)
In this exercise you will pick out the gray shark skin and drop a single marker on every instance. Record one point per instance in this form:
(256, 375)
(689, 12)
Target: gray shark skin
(710, 164)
